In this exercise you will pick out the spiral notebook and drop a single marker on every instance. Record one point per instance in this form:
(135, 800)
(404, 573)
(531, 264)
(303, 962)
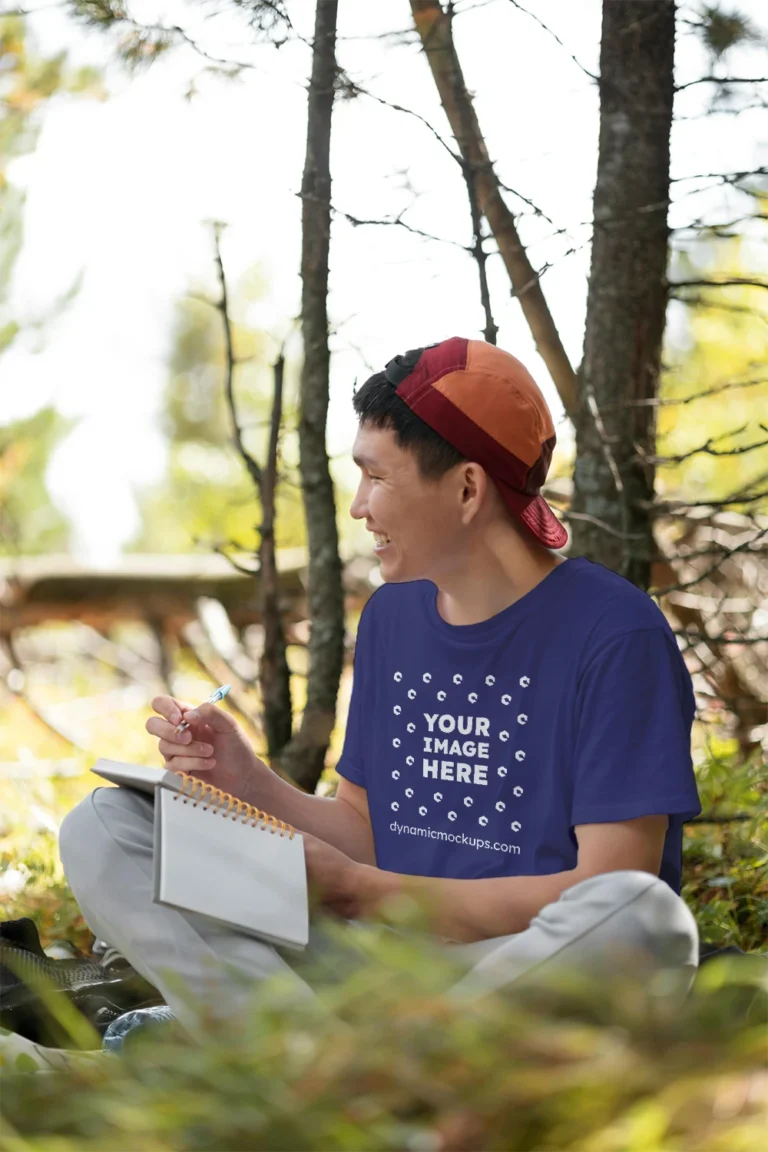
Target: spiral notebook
(220, 857)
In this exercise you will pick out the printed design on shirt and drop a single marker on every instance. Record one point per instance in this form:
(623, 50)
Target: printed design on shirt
(457, 748)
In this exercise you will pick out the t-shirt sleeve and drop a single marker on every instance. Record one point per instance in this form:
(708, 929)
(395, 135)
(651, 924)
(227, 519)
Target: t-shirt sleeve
(351, 764)
(635, 707)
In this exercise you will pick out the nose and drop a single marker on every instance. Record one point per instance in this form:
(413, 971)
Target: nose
(358, 509)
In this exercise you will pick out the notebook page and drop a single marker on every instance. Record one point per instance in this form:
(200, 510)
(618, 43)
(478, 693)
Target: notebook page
(250, 878)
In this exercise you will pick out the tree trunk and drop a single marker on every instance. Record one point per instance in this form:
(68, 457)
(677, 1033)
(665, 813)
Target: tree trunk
(434, 28)
(274, 673)
(626, 304)
(304, 757)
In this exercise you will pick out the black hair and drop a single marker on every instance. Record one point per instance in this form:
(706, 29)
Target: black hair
(378, 406)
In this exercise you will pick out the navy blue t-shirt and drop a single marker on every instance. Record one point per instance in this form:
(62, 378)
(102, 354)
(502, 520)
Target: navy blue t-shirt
(482, 746)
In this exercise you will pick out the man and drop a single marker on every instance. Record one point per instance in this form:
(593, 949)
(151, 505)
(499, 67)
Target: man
(517, 750)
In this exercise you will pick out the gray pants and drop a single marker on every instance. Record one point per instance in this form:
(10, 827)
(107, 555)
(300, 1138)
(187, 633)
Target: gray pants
(107, 847)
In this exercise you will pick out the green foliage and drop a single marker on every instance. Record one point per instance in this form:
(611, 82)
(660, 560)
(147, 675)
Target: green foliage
(725, 873)
(386, 1060)
(207, 495)
(722, 30)
(715, 388)
(28, 83)
(99, 13)
(30, 524)
(137, 45)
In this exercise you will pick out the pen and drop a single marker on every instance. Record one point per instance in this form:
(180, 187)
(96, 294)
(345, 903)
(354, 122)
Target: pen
(214, 697)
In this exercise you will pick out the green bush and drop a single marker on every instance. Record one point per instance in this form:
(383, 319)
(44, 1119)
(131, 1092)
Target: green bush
(725, 865)
(386, 1060)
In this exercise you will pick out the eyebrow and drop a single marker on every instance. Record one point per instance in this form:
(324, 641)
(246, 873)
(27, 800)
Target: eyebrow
(365, 461)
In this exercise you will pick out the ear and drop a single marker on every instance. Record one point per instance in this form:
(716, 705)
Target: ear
(474, 487)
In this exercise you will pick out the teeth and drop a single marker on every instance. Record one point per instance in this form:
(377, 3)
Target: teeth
(380, 538)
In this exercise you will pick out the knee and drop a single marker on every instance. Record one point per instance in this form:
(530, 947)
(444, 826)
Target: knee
(650, 913)
(88, 832)
(79, 835)
(77, 826)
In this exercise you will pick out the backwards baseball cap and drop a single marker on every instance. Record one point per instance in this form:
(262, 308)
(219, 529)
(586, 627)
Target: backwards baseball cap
(487, 405)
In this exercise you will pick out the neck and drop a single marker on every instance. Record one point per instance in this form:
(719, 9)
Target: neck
(494, 574)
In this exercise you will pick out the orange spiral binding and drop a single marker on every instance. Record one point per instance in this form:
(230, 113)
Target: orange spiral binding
(223, 802)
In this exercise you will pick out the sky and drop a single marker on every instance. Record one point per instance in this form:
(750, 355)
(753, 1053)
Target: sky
(120, 193)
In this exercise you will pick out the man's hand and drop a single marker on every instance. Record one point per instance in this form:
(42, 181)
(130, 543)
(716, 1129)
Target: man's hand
(334, 879)
(214, 747)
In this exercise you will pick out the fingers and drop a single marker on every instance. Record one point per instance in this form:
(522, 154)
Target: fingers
(190, 765)
(193, 750)
(211, 715)
(171, 708)
(157, 727)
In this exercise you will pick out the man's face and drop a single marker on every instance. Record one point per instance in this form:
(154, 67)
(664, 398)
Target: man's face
(416, 522)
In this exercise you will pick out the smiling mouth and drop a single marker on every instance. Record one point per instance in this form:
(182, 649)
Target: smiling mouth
(381, 541)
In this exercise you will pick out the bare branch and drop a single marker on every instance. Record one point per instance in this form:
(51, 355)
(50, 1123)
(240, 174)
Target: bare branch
(223, 308)
(217, 548)
(721, 177)
(358, 91)
(535, 209)
(743, 547)
(481, 257)
(556, 38)
(722, 81)
(603, 525)
(722, 306)
(701, 637)
(398, 222)
(707, 448)
(657, 402)
(589, 395)
(179, 33)
(732, 282)
(715, 550)
(669, 506)
(719, 230)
